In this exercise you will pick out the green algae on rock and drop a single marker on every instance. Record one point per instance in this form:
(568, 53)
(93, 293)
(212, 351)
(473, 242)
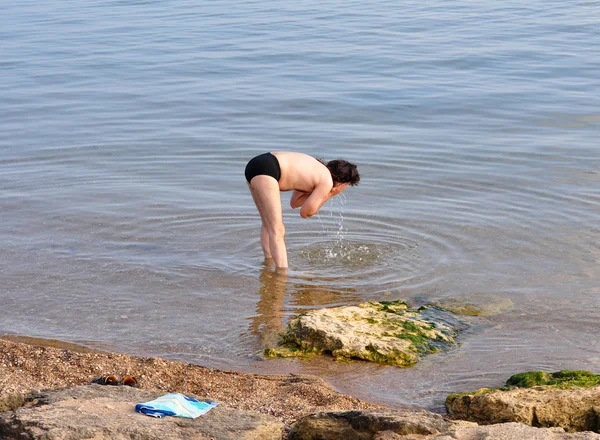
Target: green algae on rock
(386, 332)
(559, 379)
(563, 379)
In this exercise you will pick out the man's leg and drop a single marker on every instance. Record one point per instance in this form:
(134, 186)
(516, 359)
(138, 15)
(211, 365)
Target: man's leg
(264, 235)
(266, 195)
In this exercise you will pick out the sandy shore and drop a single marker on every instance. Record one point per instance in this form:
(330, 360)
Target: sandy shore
(28, 364)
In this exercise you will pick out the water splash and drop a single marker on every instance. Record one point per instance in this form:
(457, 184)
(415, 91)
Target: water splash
(345, 254)
(335, 235)
(335, 247)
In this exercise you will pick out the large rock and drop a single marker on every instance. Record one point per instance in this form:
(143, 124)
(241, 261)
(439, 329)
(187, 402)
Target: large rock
(365, 425)
(416, 425)
(560, 402)
(505, 431)
(108, 412)
(387, 332)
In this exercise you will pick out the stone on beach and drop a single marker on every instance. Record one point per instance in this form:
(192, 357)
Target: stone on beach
(108, 412)
(502, 431)
(366, 424)
(566, 399)
(388, 332)
(414, 424)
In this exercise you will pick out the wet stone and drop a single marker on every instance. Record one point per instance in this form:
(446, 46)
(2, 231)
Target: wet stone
(476, 304)
(388, 332)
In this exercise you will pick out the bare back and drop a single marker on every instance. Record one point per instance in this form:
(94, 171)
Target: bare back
(301, 172)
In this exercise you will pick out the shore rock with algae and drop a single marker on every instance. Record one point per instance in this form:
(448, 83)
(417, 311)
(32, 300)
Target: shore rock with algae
(569, 399)
(388, 332)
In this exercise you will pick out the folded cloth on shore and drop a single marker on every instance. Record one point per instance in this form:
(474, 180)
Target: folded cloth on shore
(176, 405)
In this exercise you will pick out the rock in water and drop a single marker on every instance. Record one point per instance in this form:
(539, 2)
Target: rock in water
(388, 332)
(476, 304)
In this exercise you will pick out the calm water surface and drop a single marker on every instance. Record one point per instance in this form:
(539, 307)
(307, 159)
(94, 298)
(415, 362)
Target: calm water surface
(127, 224)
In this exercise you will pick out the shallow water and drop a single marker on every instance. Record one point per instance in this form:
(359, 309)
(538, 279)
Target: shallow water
(127, 224)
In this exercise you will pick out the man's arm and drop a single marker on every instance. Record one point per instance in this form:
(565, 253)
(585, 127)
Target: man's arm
(298, 198)
(318, 197)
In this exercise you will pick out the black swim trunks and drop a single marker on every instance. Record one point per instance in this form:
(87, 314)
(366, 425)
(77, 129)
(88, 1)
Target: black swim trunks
(264, 164)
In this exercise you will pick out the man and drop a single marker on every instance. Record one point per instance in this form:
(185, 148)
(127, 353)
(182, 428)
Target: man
(313, 183)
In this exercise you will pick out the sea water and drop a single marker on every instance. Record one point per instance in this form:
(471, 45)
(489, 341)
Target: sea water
(126, 219)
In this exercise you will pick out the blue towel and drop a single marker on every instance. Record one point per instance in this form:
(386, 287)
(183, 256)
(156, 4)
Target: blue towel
(175, 405)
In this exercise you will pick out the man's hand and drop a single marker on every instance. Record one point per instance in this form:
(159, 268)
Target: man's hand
(338, 189)
(318, 197)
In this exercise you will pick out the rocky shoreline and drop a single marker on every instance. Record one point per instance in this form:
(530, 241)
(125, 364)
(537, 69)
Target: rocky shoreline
(46, 393)
(33, 366)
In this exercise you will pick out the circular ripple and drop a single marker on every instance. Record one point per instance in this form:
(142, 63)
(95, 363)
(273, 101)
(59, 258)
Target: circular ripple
(372, 255)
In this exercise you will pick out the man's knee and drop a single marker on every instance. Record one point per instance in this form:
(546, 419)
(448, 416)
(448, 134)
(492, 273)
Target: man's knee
(277, 231)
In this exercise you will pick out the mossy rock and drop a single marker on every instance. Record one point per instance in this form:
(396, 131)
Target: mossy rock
(289, 352)
(566, 399)
(454, 396)
(559, 379)
(388, 332)
(564, 379)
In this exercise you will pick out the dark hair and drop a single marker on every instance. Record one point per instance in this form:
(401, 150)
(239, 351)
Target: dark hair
(343, 171)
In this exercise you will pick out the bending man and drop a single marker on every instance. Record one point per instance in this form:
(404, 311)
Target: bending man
(312, 181)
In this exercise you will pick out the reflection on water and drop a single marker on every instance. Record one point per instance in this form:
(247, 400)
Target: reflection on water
(268, 324)
(303, 293)
(307, 294)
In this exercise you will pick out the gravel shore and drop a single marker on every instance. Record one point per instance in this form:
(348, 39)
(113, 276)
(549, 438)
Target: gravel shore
(28, 364)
